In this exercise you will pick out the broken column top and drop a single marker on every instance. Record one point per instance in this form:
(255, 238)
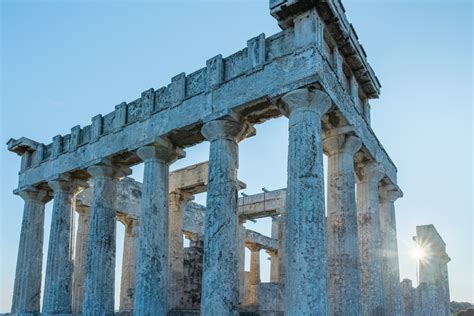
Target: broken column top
(428, 236)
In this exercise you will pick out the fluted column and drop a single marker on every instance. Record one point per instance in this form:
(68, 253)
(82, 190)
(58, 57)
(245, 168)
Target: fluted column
(306, 256)
(368, 226)
(100, 265)
(27, 287)
(254, 275)
(343, 251)
(152, 279)
(80, 255)
(220, 286)
(177, 202)
(241, 263)
(127, 283)
(58, 280)
(281, 248)
(391, 280)
(273, 265)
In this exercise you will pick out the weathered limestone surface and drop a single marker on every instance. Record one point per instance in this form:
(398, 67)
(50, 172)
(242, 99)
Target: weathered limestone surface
(270, 298)
(254, 275)
(177, 202)
(193, 260)
(27, 286)
(305, 249)
(343, 252)
(130, 246)
(426, 301)
(220, 287)
(57, 297)
(433, 269)
(368, 219)
(80, 255)
(274, 260)
(151, 290)
(388, 229)
(100, 267)
(408, 297)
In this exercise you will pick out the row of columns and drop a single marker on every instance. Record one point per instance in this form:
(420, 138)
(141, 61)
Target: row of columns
(360, 270)
(351, 237)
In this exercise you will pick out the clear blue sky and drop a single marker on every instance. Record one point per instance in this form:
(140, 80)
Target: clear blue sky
(62, 62)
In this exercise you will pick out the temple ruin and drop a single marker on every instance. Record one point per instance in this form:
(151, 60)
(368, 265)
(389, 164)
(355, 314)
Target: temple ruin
(315, 73)
(431, 296)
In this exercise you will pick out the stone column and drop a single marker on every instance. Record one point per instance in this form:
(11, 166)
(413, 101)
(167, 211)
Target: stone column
(408, 297)
(343, 251)
(58, 280)
(80, 255)
(220, 287)
(306, 255)
(273, 265)
(241, 263)
(152, 279)
(388, 227)
(281, 248)
(274, 274)
(127, 283)
(100, 265)
(27, 287)
(370, 252)
(177, 202)
(254, 275)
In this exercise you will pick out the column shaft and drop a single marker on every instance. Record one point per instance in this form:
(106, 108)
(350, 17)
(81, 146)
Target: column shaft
(274, 274)
(177, 201)
(388, 227)
(306, 255)
(254, 276)
(220, 287)
(343, 251)
(127, 283)
(241, 263)
(27, 286)
(152, 275)
(370, 252)
(58, 280)
(80, 255)
(281, 248)
(99, 288)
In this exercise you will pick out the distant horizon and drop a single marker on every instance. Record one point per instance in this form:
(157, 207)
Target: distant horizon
(64, 62)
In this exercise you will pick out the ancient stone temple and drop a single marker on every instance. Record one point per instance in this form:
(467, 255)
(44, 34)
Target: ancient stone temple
(342, 260)
(431, 296)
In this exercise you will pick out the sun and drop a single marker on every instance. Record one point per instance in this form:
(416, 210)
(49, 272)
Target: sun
(419, 253)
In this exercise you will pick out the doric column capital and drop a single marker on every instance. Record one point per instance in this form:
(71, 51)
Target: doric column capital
(253, 247)
(179, 196)
(225, 129)
(370, 171)
(160, 153)
(305, 99)
(83, 210)
(342, 144)
(68, 184)
(271, 252)
(106, 169)
(34, 194)
(390, 193)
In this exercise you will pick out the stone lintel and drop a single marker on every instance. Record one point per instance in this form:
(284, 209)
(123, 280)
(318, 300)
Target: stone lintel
(258, 240)
(19, 146)
(262, 204)
(232, 95)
